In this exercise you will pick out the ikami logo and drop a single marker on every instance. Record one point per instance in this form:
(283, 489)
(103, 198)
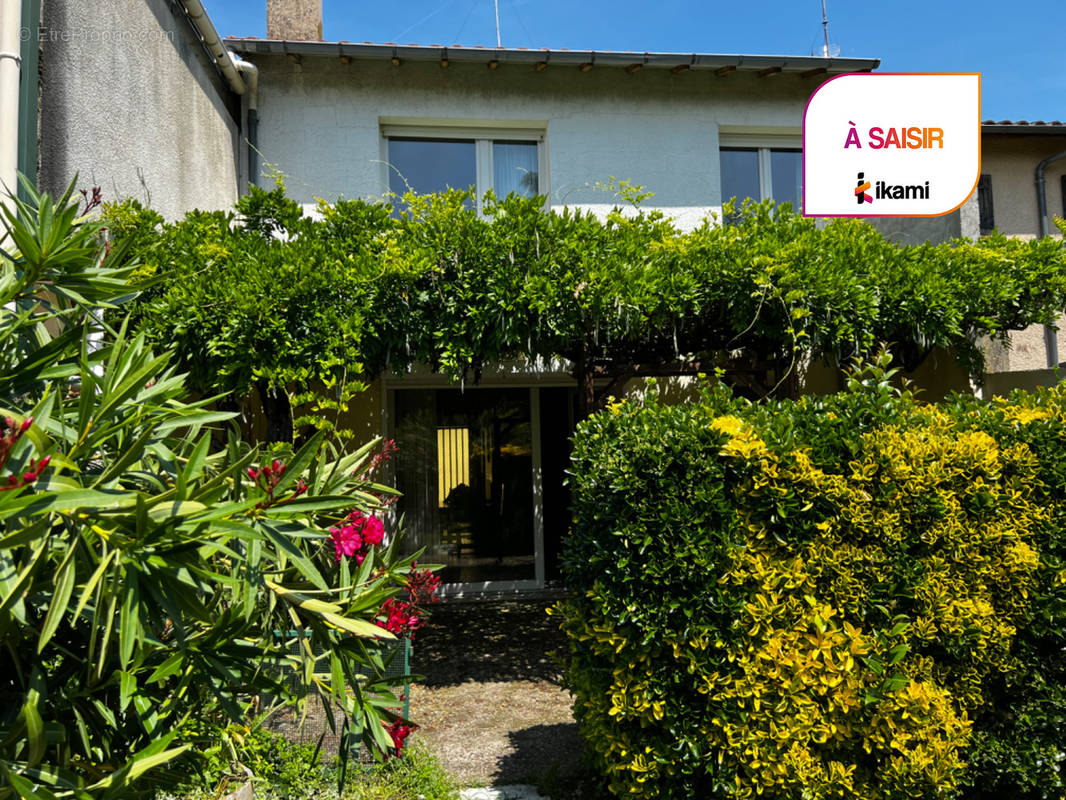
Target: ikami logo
(891, 145)
(887, 191)
(860, 191)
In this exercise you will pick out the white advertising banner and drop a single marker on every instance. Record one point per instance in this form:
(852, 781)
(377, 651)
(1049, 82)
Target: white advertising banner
(892, 144)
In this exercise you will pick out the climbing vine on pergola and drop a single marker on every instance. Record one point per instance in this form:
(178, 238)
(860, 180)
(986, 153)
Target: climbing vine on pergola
(272, 300)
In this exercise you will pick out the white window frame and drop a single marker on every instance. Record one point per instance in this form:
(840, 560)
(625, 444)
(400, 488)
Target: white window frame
(763, 144)
(483, 136)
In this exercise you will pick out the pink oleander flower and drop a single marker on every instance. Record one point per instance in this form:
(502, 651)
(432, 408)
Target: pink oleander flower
(371, 528)
(354, 537)
(399, 731)
(423, 586)
(399, 617)
(347, 542)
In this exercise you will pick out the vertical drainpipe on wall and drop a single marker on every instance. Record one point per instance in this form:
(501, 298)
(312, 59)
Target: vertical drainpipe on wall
(250, 73)
(10, 92)
(1051, 339)
(29, 91)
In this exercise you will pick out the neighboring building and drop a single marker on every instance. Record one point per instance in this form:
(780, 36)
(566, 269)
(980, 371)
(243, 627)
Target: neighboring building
(1010, 153)
(1008, 193)
(126, 95)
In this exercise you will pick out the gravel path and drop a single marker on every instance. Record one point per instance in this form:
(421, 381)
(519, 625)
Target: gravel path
(490, 704)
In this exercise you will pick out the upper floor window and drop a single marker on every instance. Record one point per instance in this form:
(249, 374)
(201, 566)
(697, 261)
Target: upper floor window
(985, 207)
(763, 173)
(433, 160)
(426, 166)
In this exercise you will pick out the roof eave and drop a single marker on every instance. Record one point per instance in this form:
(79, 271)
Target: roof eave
(436, 53)
(1024, 130)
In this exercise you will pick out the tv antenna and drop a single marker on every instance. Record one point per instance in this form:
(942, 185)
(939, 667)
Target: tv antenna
(829, 50)
(496, 5)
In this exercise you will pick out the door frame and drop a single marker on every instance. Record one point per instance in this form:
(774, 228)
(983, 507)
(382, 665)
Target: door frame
(507, 375)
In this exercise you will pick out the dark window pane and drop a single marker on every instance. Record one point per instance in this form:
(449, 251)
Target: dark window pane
(740, 176)
(984, 205)
(431, 165)
(514, 167)
(786, 176)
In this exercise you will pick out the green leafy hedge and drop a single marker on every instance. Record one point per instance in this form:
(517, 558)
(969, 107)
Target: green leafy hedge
(269, 298)
(857, 596)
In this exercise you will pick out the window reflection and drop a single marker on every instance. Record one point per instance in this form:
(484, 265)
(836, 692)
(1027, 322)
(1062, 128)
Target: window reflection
(786, 171)
(740, 178)
(465, 468)
(425, 166)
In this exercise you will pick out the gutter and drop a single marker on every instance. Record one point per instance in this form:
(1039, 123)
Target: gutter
(721, 64)
(10, 82)
(242, 76)
(1051, 339)
(1031, 129)
(213, 42)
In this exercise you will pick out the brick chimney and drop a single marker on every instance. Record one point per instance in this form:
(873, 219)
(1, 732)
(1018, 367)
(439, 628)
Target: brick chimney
(294, 20)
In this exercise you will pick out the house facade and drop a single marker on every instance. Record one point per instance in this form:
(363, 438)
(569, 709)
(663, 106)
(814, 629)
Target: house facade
(481, 469)
(358, 120)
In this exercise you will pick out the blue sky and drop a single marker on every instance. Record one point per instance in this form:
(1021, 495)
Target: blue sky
(1017, 46)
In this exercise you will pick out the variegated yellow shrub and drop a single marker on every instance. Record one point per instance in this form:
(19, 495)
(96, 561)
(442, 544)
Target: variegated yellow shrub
(836, 598)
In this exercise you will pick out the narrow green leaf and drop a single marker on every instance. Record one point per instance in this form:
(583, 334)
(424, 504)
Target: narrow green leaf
(35, 737)
(64, 587)
(91, 585)
(129, 631)
(302, 562)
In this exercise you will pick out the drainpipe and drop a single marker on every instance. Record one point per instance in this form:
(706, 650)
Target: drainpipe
(250, 73)
(213, 42)
(10, 70)
(1051, 339)
(243, 77)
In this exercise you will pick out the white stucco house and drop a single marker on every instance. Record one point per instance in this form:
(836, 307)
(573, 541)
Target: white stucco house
(482, 470)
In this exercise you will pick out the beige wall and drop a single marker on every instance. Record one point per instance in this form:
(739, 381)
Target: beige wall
(365, 417)
(1002, 384)
(1027, 350)
(1011, 161)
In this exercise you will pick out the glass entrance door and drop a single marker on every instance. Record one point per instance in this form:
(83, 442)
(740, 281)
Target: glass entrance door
(465, 466)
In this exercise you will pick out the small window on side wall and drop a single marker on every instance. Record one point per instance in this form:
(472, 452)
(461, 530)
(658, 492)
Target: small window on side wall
(984, 205)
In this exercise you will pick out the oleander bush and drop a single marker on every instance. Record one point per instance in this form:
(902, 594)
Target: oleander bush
(855, 596)
(153, 569)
